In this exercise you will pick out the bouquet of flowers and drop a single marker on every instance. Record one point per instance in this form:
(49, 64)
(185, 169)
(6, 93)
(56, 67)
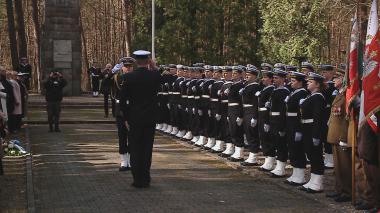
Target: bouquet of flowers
(13, 148)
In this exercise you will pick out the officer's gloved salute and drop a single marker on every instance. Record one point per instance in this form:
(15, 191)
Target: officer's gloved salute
(235, 114)
(250, 115)
(313, 110)
(293, 128)
(118, 81)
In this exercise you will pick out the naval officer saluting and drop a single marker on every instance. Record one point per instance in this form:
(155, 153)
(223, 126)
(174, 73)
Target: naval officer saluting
(140, 92)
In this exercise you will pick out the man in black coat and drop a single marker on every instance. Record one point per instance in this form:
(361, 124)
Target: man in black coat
(140, 92)
(54, 95)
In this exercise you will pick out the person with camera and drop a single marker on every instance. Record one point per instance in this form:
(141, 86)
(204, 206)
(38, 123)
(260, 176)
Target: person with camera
(54, 95)
(107, 81)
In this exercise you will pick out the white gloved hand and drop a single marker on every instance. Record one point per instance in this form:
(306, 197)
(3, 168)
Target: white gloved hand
(168, 106)
(282, 134)
(266, 127)
(343, 144)
(228, 119)
(316, 141)
(200, 112)
(186, 109)
(239, 121)
(194, 111)
(179, 106)
(218, 117)
(298, 137)
(209, 113)
(253, 122)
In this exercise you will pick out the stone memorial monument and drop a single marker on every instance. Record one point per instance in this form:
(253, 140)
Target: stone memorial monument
(61, 43)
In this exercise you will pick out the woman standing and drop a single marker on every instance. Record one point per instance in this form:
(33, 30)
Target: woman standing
(313, 109)
(293, 128)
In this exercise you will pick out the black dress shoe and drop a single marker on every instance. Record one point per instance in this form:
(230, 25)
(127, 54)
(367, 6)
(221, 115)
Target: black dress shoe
(312, 191)
(302, 188)
(213, 151)
(235, 159)
(224, 155)
(291, 183)
(342, 198)
(124, 168)
(265, 170)
(248, 164)
(272, 175)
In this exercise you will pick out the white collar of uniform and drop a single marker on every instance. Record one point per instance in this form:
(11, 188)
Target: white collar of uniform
(269, 86)
(281, 87)
(298, 90)
(238, 82)
(219, 81)
(317, 93)
(251, 84)
(228, 82)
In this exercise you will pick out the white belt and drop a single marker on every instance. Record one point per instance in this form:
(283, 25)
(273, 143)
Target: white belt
(190, 96)
(263, 109)
(233, 104)
(292, 114)
(170, 93)
(160, 93)
(307, 121)
(214, 99)
(275, 113)
(165, 93)
(205, 96)
(184, 96)
(224, 101)
(117, 101)
(176, 93)
(247, 105)
(197, 97)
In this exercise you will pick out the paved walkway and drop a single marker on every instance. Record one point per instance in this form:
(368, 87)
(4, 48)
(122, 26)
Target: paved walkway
(77, 171)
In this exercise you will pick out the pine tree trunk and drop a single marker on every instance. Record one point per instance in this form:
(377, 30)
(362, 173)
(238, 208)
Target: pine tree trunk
(22, 44)
(37, 42)
(12, 34)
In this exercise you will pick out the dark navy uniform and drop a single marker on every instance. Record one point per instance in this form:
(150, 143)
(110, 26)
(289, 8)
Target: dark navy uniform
(250, 111)
(184, 104)
(207, 124)
(313, 110)
(175, 102)
(216, 116)
(107, 81)
(223, 112)
(140, 91)
(277, 118)
(95, 77)
(264, 136)
(293, 126)
(235, 110)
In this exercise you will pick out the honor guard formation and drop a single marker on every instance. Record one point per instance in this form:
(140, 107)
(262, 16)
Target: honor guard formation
(291, 116)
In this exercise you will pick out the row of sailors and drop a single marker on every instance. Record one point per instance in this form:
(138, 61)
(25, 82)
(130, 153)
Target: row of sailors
(285, 114)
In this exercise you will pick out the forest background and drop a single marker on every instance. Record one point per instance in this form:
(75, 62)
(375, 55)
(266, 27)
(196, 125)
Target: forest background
(216, 32)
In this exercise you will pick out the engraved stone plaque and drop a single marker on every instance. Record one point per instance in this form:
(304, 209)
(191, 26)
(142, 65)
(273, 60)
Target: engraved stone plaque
(63, 51)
